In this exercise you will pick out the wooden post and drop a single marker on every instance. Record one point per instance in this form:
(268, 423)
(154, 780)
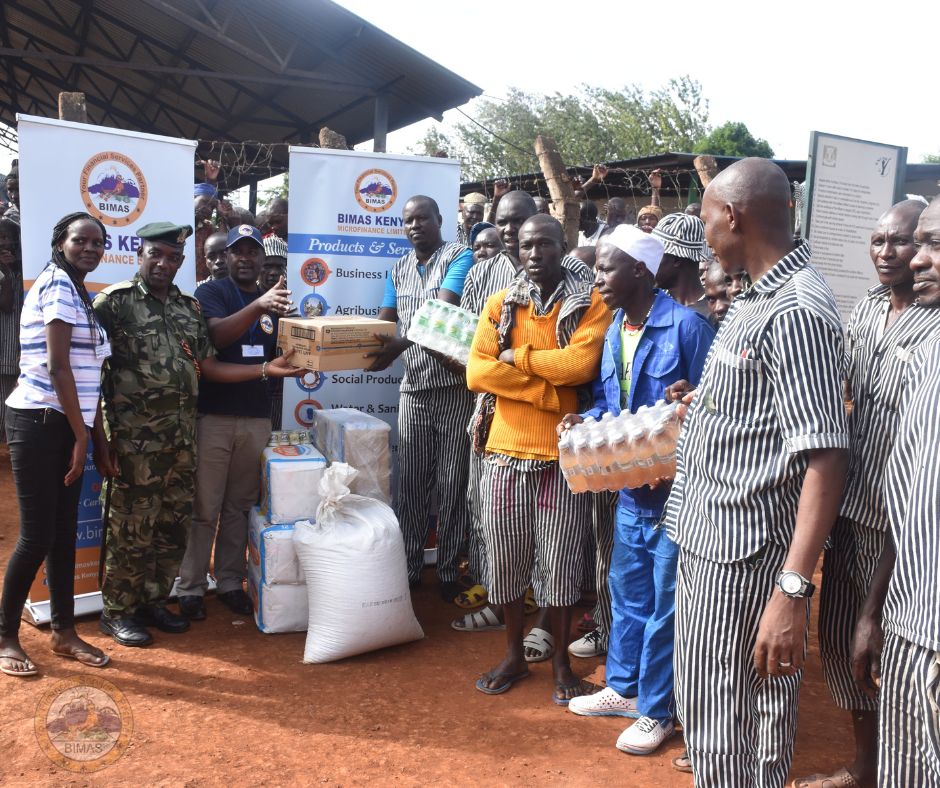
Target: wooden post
(566, 208)
(707, 169)
(72, 107)
(332, 139)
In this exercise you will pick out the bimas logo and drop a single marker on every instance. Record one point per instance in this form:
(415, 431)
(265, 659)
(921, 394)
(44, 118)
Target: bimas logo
(113, 188)
(376, 190)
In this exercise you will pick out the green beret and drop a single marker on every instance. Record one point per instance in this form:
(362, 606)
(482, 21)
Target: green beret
(165, 232)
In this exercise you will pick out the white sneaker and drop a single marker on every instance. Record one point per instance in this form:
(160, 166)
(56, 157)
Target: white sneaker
(645, 736)
(588, 646)
(606, 703)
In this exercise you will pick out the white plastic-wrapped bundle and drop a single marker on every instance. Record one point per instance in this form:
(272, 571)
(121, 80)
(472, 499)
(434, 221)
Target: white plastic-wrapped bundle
(278, 608)
(290, 476)
(357, 580)
(271, 549)
(360, 440)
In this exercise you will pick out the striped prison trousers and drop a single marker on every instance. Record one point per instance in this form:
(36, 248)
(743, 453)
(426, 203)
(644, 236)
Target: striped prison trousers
(476, 555)
(604, 510)
(851, 558)
(533, 531)
(433, 453)
(739, 728)
(909, 721)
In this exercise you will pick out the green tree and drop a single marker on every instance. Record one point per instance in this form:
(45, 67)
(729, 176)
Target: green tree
(733, 139)
(932, 158)
(591, 126)
(433, 143)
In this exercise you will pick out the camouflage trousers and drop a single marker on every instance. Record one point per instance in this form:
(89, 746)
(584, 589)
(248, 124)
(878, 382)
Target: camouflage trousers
(151, 510)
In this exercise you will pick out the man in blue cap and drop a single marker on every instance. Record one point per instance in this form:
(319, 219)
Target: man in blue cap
(160, 349)
(234, 424)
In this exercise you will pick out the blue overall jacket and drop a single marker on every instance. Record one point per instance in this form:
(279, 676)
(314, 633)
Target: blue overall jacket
(673, 347)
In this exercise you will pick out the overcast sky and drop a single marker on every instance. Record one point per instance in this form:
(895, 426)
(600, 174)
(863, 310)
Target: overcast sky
(784, 68)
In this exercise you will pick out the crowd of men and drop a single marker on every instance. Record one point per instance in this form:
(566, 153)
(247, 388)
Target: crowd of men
(798, 439)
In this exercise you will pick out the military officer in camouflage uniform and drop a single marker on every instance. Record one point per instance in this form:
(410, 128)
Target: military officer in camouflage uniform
(160, 346)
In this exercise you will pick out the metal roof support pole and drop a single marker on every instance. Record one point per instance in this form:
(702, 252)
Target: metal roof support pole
(380, 123)
(253, 197)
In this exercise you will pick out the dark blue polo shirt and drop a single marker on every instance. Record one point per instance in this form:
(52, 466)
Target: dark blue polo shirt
(221, 298)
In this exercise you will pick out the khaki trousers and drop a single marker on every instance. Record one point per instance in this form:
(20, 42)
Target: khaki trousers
(228, 480)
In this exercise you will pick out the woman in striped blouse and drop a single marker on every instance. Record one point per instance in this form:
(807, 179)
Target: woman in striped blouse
(49, 415)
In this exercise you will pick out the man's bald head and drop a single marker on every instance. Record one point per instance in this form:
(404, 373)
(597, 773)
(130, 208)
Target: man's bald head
(512, 211)
(517, 199)
(746, 210)
(545, 223)
(616, 211)
(906, 212)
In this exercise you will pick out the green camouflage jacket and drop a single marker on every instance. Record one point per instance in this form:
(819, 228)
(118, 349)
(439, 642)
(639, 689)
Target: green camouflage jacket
(150, 382)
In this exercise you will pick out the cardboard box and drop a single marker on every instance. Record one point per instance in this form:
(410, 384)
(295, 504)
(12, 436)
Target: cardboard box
(327, 344)
(290, 483)
(271, 550)
(360, 440)
(278, 608)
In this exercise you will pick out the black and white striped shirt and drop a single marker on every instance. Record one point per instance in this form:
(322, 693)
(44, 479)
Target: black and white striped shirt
(488, 277)
(878, 365)
(912, 498)
(771, 390)
(412, 288)
(10, 326)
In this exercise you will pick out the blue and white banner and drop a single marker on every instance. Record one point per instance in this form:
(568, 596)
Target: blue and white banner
(126, 179)
(346, 232)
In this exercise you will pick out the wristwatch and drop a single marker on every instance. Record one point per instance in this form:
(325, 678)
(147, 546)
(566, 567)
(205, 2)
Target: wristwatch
(794, 585)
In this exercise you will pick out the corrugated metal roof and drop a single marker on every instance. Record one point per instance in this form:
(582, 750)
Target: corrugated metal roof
(313, 63)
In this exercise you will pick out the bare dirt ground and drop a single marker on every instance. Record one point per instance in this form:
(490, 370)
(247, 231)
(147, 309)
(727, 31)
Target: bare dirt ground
(224, 705)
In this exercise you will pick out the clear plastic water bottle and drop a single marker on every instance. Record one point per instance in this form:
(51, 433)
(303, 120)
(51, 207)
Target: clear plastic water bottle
(577, 479)
(598, 478)
(620, 463)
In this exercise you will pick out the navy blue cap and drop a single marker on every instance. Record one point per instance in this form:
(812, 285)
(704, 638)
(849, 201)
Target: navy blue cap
(243, 231)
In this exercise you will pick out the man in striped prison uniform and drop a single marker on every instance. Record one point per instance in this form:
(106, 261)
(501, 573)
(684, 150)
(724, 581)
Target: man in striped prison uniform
(652, 343)
(883, 332)
(485, 279)
(909, 717)
(536, 343)
(435, 404)
(761, 465)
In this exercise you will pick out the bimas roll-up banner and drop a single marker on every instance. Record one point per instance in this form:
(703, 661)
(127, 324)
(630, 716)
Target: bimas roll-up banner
(346, 233)
(126, 179)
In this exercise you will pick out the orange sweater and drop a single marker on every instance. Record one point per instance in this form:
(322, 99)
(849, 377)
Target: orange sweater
(533, 394)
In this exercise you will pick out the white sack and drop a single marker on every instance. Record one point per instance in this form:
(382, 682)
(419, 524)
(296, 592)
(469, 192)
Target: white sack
(357, 579)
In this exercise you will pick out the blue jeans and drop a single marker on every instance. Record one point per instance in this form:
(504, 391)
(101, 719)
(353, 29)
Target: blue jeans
(643, 604)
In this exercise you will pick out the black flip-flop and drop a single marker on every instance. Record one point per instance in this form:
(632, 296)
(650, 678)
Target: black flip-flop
(565, 701)
(505, 686)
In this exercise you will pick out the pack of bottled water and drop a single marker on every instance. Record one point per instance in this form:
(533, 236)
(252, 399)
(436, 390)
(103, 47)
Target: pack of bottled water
(443, 327)
(629, 450)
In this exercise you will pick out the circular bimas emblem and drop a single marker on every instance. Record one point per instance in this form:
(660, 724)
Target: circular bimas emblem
(267, 324)
(376, 190)
(83, 723)
(113, 188)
